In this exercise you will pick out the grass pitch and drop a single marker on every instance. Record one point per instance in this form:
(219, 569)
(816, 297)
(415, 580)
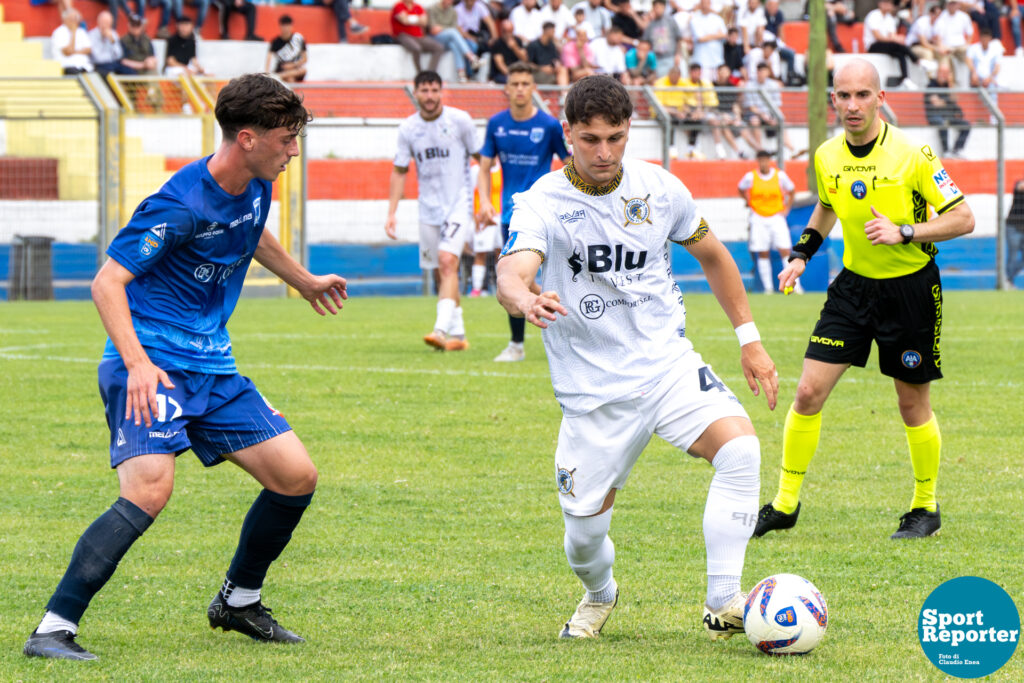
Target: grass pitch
(433, 550)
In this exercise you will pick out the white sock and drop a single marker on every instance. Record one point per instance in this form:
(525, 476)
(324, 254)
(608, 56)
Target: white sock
(51, 622)
(764, 270)
(457, 328)
(237, 596)
(445, 309)
(479, 276)
(591, 553)
(516, 345)
(730, 514)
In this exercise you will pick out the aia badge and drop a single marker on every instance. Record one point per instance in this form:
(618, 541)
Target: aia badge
(565, 481)
(911, 359)
(859, 190)
(636, 210)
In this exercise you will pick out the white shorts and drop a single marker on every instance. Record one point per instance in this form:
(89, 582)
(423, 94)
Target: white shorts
(487, 239)
(450, 236)
(769, 232)
(597, 450)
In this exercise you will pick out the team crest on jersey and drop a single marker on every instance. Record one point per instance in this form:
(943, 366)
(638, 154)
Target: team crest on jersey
(565, 481)
(204, 272)
(636, 210)
(536, 135)
(911, 359)
(859, 190)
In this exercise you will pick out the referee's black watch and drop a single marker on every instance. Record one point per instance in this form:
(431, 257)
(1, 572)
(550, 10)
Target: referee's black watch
(798, 255)
(907, 231)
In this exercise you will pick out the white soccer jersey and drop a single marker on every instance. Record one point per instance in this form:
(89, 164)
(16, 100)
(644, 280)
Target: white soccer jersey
(607, 257)
(441, 150)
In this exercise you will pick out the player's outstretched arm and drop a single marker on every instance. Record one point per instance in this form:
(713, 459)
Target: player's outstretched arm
(323, 292)
(108, 293)
(727, 285)
(520, 294)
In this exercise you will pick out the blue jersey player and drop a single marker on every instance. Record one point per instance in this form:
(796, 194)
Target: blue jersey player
(524, 139)
(168, 378)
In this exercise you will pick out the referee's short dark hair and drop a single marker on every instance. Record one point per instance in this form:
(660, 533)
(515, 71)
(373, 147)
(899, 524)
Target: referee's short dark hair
(600, 95)
(261, 102)
(424, 77)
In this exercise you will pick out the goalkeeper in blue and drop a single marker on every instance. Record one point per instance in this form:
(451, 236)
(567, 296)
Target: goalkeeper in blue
(168, 378)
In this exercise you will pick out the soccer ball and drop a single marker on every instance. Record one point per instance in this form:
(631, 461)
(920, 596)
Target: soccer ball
(785, 615)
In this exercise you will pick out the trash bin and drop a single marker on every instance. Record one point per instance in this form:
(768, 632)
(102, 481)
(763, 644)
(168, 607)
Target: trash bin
(31, 268)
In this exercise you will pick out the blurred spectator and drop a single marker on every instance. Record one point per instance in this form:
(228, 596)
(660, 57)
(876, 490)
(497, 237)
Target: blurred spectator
(556, 12)
(408, 20)
(106, 51)
(202, 9)
(444, 28)
(578, 57)
(343, 19)
(836, 12)
(986, 14)
(729, 112)
(114, 7)
(665, 38)
(1013, 11)
(475, 23)
(609, 54)
(921, 36)
(580, 22)
(181, 50)
(1015, 234)
(733, 52)
(984, 59)
(545, 58)
(595, 14)
(162, 31)
(942, 112)
(751, 22)
(881, 36)
(641, 64)
(287, 53)
(707, 29)
(526, 21)
(70, 44)
(506, 50)
(138, 48)
(758, 112)
(952, 32)
(689, 111)
(225, 8)
(768, 54)
(626, 18)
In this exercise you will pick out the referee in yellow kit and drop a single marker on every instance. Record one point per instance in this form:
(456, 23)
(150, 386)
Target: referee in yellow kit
(880, 185)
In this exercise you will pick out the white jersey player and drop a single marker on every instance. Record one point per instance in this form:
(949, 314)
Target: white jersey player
(768, 192)
(621, 364)
(440, 140)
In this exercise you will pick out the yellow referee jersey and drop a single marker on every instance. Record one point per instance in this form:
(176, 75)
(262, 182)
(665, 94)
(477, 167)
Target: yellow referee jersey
(898, 177)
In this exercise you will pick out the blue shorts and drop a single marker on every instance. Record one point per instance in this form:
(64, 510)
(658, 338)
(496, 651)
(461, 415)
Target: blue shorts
(211, 414)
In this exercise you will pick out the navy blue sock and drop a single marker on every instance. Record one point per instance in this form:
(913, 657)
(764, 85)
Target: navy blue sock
(95, 557)
(265, 532)
(518, 327)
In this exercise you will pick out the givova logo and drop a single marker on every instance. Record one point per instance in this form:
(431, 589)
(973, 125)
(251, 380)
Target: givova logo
(969, 627)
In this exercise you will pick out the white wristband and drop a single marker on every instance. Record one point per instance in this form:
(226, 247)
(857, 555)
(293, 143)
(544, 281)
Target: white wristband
(747, 333)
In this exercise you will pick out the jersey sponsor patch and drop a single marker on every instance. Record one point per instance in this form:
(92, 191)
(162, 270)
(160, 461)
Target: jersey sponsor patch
(945, 185)
(150, 244)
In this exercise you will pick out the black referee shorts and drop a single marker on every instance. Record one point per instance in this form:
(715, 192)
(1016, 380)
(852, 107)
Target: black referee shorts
(902, 314)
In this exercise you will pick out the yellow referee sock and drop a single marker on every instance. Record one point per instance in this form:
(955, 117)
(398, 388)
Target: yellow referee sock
(799, 441)
(925, 443)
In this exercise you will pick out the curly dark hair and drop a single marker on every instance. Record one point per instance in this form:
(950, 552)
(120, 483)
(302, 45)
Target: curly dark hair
(601, 96)
(261, 102)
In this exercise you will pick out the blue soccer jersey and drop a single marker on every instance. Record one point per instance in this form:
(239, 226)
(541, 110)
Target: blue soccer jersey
(189, 246)
(525, 149)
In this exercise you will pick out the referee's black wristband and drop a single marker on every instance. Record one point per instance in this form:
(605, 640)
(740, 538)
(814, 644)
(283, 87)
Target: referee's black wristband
(807, 245)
